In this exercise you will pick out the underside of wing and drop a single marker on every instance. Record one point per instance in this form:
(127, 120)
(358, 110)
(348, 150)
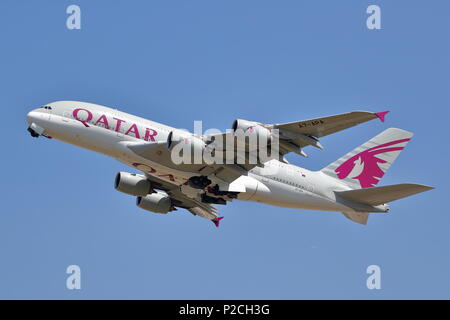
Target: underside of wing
(181, 200)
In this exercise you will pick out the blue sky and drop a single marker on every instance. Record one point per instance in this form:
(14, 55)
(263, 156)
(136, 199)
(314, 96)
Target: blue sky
(179, 61)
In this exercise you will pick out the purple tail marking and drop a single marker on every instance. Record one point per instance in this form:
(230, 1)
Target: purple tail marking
(372, 172)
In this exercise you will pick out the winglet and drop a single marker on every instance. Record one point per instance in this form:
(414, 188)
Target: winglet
(381, 115)
(216, 221)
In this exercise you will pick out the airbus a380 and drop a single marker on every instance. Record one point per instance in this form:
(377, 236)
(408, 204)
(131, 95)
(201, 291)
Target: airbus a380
(347, 185)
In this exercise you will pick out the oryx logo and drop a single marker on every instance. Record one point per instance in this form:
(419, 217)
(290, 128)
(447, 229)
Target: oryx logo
(250, 129)
(364, 166)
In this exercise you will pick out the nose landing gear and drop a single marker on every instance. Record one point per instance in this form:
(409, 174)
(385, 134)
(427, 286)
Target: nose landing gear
(33, 133)
(36, 131)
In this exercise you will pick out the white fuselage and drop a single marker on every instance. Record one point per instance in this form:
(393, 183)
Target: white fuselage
(109, 131)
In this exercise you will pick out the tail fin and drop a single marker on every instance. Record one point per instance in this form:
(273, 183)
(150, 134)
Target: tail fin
(366, 165)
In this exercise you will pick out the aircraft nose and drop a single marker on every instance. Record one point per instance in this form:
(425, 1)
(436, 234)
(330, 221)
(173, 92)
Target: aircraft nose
(32, 116)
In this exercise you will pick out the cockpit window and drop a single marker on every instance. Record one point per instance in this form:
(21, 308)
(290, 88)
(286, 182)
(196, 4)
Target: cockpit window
(47, 107)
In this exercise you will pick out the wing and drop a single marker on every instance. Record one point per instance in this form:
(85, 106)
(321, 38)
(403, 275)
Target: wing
(194, 206)
(324, 126)
(293, 136)
(180, 200)
(296, 135)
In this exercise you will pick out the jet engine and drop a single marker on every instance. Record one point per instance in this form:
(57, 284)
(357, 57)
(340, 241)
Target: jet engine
(186, 146)
(249, 128)
(158, 202)
(133, 184)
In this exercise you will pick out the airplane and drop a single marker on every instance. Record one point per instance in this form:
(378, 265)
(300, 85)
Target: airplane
(347, 185)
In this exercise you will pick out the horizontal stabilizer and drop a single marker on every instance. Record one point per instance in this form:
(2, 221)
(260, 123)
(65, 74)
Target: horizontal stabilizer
(381, 195)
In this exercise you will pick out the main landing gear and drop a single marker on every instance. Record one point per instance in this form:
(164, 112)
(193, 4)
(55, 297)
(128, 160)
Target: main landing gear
(214, 200)
(215, 191)
(199, 182)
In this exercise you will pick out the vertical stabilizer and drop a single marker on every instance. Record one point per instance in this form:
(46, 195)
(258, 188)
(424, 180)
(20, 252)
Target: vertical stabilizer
(366, 165)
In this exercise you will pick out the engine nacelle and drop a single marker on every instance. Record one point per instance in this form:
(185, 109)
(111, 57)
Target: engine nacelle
(157, 202)
(187, 148)
(133, 184)
(253, 130)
